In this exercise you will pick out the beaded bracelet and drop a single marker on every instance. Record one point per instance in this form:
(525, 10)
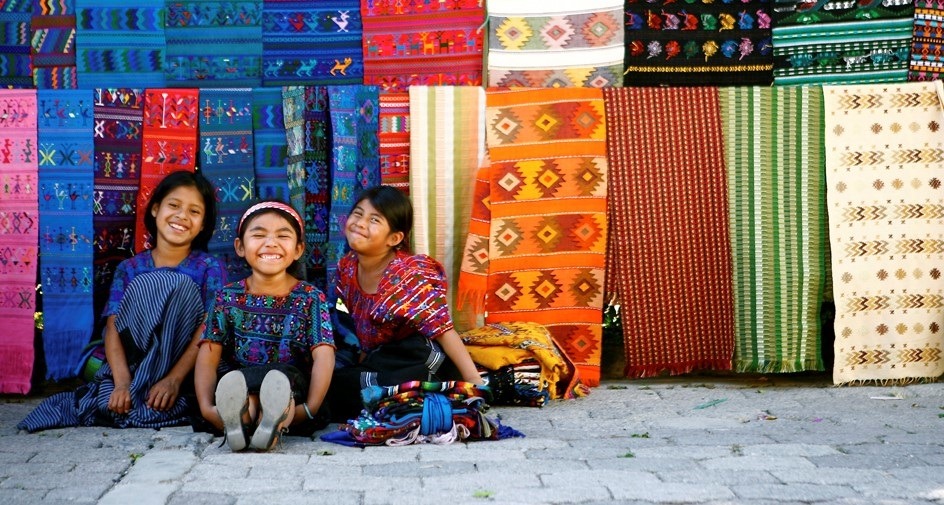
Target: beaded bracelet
(307, 411)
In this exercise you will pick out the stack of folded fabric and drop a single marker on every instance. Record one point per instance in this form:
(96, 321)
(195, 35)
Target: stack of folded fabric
(421, 412)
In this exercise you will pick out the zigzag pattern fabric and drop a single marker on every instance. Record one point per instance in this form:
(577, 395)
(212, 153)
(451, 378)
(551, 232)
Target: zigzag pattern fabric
(169, 143)
(311, 43)
(118, 43)
(65, 220)
(16, 71)
(53, 44)
(669, 250)
(927, 41)
(19, 238)
(555, 44)
(212, 43)
(884, 154)
(269, 145)
(118, 114)
(446, 153)
(226, 159)
(401, 49)
(544, 257)
(840, 42)
(354, 160)
(776, 196)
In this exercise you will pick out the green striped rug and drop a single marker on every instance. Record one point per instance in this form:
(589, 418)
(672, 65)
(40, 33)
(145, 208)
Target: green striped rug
(774, 155)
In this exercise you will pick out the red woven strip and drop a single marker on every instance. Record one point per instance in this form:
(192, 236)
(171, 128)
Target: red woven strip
(669, 252)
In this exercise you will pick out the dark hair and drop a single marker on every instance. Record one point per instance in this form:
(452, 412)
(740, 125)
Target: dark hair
(394, 206)
(295, 269)
(173, 181)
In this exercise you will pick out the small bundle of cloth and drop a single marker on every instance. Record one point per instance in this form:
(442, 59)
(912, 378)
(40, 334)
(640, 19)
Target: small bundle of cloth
(420, 412)
(522, 364)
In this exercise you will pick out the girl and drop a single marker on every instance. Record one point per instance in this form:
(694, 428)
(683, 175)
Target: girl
(272, 333)
(157, 302)
(397, 302)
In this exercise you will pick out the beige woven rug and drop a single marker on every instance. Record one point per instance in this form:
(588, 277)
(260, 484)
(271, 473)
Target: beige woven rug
(884, 172)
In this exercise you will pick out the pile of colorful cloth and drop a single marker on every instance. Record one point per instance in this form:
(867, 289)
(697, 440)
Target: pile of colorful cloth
(420, 412)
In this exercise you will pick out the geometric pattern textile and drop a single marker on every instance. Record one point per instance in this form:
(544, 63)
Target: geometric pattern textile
(884, 154)
(213, 44)
(308, 43)
(400, 49)
(446, 153)
(53, 44)
(859, 52)
(669, 253)
(709, 43)
(394, 138)
(19, 237)
(226, 159)
(317, 187)
(65, 220)
(776, 195)
(927, 41)
(544, 258)
(555, 44)
(269, 144)
(120, 43)
(169, 143)
(118, 114)
(16, 71)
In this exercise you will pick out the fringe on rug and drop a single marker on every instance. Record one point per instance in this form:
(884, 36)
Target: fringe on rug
(642, 372)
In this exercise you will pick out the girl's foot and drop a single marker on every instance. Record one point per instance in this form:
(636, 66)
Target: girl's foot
(275, 398)
(232, 401)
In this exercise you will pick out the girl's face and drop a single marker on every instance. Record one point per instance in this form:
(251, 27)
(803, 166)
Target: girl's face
(368, 232)
(179, 216)
(269, 244)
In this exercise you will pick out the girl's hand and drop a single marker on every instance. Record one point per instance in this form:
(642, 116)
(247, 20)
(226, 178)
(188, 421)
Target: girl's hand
(163, 394)
(120, 400)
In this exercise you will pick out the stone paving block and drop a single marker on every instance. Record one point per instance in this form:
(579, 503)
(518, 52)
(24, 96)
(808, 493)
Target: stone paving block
(517, 443)
(798, 492)
(608, 478)
(213, 470)
(719, 477)
(719, 438)
(188, 498)
(906, 489)
(160, 466)
(757, 463)
(672, 493)
(421, 469)
(644, 464)
(29, 497)
(448, 453)
(777, 450)
(696, 452)
(242, 486)
(830, 476)
(540, 465)
(867, 461)
(494, 477)
(31, 470)
(334, 483)
(150, 493)
(294, 498)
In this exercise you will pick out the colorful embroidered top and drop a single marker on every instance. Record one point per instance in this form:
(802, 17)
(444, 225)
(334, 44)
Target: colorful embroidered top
(263, 329)
(411, 298)
(200, 266)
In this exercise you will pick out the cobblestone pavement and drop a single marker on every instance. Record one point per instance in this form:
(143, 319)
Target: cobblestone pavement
(702, 440)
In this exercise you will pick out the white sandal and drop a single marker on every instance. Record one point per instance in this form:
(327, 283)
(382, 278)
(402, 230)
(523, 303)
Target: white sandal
(275, 398)
(232, 402)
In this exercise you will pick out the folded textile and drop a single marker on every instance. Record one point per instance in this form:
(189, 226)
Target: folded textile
(418, 412)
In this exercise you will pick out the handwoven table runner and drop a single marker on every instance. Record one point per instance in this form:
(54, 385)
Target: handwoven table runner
(669, 252)
(839, 42)
(353, 111)
(402, 49)
(53, 44)
(169, 143)
(270, 147)
(543, 260)
(213, 44)
(447, 146)
(886, 219)
(698, 43)
(19, 238)
(65, 219)
(776, 196)
(118, 113)
(553, 45)
(16, 70)
(120, 43)
(311, 43)
(927, 41)
(316, 159)
(226, 159)
(394, 139)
